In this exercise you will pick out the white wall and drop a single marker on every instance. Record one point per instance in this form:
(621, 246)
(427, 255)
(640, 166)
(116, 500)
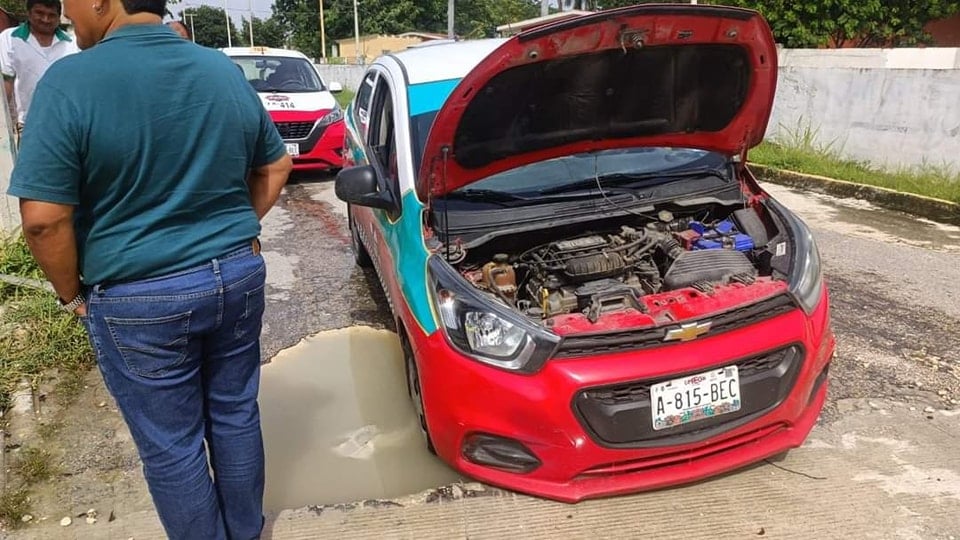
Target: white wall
(9, 206)
(349, 75)
(891, 107)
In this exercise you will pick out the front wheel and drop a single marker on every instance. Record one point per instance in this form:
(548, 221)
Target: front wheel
(416, 396)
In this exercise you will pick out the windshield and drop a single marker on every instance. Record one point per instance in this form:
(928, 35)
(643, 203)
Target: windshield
(279, 73)
(553, 174)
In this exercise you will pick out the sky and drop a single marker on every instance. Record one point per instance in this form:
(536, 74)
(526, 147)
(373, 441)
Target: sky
(241, 8)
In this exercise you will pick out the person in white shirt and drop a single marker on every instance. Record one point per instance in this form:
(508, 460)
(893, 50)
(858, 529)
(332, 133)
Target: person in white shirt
(26, 51)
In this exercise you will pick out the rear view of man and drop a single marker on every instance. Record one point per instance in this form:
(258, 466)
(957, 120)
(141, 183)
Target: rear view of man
(146, 165)
(27, 50)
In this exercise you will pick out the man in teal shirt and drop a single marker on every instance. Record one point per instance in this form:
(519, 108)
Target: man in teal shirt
(145, 168)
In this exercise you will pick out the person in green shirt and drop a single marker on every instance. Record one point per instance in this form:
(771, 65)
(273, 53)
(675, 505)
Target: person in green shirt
(143, 174)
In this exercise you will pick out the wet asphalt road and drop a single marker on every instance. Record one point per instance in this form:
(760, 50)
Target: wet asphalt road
(894, 281)
(313, 283)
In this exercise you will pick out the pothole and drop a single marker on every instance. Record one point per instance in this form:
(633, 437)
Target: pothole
(338, 425)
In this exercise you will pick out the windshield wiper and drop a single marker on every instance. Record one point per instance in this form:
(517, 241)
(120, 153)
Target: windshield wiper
(614, 179)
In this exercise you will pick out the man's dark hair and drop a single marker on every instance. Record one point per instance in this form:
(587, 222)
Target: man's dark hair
(157, 7)
(52, 4)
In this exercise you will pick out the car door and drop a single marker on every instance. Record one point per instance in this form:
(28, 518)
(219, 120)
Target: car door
(381, 140)
(393, 238)
(377, 227)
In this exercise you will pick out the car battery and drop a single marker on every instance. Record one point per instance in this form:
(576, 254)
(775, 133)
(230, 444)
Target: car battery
(723, 235)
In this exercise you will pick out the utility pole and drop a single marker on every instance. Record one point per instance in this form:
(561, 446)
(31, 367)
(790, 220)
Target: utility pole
(189, 15)
(450, 19)
(356, 31)
(544, 8)
(226, 15)
(251, 23)
(323, 34)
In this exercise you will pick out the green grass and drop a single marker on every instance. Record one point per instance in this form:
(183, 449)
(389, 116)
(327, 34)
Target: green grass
(800, 151)
(345, 97)
(14, 503)
(36, 338)
(35, 465)
(16, 260)
(35, 335)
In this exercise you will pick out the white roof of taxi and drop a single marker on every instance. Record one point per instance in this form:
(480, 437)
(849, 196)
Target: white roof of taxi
(263, 51)
(444, 61)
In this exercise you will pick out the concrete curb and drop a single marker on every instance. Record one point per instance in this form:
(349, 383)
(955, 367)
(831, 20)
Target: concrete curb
(918, 205)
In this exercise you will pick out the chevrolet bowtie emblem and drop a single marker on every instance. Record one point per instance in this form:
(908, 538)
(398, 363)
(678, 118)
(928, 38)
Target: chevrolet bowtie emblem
(688, 331)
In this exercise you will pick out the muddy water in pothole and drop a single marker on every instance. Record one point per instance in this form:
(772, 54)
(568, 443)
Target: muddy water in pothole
(338, 425)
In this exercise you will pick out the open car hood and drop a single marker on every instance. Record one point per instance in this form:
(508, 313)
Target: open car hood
(669, 75)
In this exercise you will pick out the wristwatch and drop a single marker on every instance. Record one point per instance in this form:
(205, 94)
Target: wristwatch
(71, 306)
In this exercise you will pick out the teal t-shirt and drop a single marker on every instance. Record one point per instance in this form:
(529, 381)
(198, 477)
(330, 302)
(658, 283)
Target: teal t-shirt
(151, 138)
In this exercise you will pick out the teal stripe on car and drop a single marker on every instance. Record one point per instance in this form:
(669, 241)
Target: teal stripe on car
(404, 239)
(426, 97)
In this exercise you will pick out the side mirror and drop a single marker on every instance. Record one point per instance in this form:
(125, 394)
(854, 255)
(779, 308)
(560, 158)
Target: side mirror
(336, 87)
(358, 185)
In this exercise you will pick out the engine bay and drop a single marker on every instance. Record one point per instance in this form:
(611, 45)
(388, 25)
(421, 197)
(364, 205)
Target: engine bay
(624, 265)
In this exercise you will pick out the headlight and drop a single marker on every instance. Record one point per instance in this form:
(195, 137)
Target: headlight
(331, 117)
(484, 329)
(806, 274)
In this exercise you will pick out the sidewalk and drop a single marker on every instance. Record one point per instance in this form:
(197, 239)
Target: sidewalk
(881, 471)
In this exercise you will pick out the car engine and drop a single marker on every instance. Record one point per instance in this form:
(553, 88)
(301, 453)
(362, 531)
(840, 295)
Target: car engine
(607, 270)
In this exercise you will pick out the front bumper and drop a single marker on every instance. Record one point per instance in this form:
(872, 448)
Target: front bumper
(320, 149)
(545, 411)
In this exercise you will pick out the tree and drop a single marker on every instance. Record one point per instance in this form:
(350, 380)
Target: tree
(862, 23)
(480, 18)
(17, 8)
(837, 23)
(302, 19)
(474, 18)
(210, 27)
(268, 32)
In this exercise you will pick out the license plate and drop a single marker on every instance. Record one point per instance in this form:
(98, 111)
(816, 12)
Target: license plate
(293, 149)
(695, 397)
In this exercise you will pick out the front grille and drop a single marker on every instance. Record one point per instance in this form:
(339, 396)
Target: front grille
(619, 415)
(294, 130)
(632, 340)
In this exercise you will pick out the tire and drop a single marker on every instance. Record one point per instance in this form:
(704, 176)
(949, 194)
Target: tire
(413, 389)
(360, 254)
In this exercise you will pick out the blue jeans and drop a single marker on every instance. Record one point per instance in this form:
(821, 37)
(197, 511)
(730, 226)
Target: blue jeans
(181, 355)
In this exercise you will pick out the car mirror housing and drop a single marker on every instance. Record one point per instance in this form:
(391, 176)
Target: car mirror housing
(358, 185)
(335, 87)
